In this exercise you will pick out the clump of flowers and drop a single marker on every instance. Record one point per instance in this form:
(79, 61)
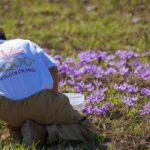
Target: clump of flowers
(97, 95)
(146, 109)
(97, 110)
(129, 100)
(145, 91)
(102, 110)
(96, 73)
(126, 87)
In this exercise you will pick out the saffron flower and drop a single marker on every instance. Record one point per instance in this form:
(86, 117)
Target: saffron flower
(146, 109)
(145, 91)
(89, 87)
(110, 71)
(103, 109)
(129, 100)
(62, 83)
(88, 56)
(97, 95)
(79, 87)
(126, 87)
(87, 109)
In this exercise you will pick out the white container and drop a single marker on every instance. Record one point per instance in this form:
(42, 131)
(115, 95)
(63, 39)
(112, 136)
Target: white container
(76, 100)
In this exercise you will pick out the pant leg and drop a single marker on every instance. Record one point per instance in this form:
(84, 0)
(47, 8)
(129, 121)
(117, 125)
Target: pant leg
(11, 112)
(51, 108)
(47, 108)
(44, 107)
(61, 119)
(71, 132)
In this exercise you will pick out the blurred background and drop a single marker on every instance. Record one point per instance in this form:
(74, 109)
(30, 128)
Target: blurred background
(66, 26)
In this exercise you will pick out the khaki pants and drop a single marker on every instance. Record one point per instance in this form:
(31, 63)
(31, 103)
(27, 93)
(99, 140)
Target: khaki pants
(50, 109)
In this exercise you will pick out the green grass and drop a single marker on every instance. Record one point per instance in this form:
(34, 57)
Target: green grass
(66, 27)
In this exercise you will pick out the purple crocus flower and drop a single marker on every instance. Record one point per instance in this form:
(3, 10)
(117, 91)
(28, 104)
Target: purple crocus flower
(98, 111)
(102, 56)
(92, 70)
(111, 63)
(79, 87)
(104, 107)
(64, 70)
(94, 98)
(121, 63)
(123, 87)
(131, 54)
(146, 74)
(77, 73)
(62, 83)
(129, 100)
(132, 89)
(102, 110)
(124, 70)
(126, 54)
(89, 87)
(135, 20)
(142, 70)
(97, 83)
(148, 53)
(116, 86)
(70, 60)
(88, 56)
(71, 82)
(126, 87)
(103, 90)
(87, 110)
(109, 57)
(58, 59)
(89, 8)
(97, 95)
(145, 91)
(146, 109)
(110, 71)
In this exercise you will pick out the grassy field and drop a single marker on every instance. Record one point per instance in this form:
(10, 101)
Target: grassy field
(74, 25)
(67, 27)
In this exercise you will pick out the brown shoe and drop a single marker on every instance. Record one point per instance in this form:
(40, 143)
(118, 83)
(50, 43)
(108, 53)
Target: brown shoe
(33, 132)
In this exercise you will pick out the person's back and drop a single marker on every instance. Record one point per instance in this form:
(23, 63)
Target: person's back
(23, 69)
(29, 96)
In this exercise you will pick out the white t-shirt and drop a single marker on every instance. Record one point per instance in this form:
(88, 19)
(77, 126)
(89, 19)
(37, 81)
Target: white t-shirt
(23, 69)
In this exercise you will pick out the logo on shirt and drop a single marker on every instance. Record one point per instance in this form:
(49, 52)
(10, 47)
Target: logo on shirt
(10, 51)
(9, 65)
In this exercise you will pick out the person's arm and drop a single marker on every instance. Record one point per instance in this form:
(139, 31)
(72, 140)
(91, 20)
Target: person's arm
(50, 64)
(55, 76)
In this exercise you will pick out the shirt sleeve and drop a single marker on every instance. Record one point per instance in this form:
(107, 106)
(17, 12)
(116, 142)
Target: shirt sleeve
(46, 58)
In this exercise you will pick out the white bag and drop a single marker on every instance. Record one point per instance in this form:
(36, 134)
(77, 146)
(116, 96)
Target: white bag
(76, 100)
